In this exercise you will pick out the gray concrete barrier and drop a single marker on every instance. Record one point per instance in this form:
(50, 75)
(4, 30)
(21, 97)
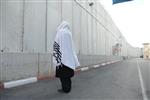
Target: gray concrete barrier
(16, 66)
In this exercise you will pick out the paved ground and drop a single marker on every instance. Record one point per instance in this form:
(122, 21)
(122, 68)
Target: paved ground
(145, 71)
(119, 81)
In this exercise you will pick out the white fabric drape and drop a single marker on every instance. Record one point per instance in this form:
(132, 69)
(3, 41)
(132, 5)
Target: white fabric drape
(63, 48)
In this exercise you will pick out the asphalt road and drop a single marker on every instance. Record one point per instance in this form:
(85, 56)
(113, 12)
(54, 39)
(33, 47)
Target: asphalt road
(118, 81)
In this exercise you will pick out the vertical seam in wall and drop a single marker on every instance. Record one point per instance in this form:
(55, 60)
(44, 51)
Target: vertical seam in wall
(87, 31)
(46, 25)
(92, 28)
(80, 34)
(51, 67)
(72, 17)
(38, 64)
(1, 54)
(81, 31)
(1, 25)
(88, 51)
(105, 46)
(61, 9)
(23, 20)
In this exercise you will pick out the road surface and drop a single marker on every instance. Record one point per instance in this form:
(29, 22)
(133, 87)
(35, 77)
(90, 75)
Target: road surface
(125, 80)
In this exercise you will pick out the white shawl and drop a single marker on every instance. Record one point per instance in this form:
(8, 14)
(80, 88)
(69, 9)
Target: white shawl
(63, 48)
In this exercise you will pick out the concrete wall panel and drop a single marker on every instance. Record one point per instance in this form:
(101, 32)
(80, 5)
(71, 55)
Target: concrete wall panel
(67, 14)
(103, 40)
(11, 26)
(90, 28)
(111, 44)
(24, 65)
(108, 44)
(94, 37)
(45, 64)
(99, 39)
(86, 60)
(34, 26)
(53, 20)
(76, 26)
(84, 48)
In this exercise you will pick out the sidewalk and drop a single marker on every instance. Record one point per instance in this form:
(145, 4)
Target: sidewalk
(35, 79)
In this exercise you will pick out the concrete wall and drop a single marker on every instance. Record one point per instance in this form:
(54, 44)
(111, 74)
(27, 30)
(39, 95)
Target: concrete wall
(29, 27)
(23, 65)
(34, 26)
(12, 23)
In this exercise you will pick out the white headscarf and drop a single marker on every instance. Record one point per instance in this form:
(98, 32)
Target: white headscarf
(63, 49)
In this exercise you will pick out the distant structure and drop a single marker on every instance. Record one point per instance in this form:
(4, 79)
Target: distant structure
(146, 50)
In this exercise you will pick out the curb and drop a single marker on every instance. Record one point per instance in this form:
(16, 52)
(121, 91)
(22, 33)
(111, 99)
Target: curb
(20, 82)
(1, 86)
(45, 78)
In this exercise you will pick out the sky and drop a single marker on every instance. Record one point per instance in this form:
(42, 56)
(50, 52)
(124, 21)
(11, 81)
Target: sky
(132, 18)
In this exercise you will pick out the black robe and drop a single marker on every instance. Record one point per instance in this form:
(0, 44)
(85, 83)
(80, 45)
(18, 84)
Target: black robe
(64, 71)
